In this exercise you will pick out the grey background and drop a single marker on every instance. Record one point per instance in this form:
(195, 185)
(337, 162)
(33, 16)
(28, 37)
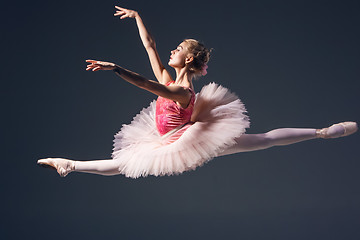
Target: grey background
(293, 63)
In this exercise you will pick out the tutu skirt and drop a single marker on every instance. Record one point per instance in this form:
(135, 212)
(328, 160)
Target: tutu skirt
(217, 120)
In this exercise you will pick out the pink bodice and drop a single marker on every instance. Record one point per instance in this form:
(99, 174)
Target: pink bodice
(170, 115)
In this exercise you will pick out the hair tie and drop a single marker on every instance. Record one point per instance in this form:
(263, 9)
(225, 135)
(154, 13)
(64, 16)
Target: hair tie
(203, 69)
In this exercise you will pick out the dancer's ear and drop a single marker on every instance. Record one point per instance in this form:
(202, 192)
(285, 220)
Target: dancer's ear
(189, 60)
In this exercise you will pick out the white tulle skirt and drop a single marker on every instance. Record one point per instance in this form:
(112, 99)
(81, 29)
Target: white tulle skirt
(218, 118)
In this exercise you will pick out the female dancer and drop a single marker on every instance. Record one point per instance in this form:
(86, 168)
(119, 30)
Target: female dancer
(178, 133)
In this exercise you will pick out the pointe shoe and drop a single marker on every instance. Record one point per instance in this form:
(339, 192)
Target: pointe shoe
(348, 128)
(62, 166)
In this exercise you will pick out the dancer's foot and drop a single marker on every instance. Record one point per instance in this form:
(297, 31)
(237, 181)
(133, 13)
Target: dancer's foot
(337, 130)
(62, 166)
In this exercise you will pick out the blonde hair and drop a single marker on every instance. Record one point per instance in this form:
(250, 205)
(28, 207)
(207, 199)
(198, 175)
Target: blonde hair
(200, 54)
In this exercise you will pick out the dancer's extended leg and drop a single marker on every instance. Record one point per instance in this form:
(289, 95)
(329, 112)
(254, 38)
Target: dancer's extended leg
(286, 136)
(277, 137)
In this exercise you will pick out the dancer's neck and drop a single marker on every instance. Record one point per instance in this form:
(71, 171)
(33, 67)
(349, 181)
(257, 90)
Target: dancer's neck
(184, 77)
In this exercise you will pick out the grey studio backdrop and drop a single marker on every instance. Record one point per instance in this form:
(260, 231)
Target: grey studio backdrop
(293, 64)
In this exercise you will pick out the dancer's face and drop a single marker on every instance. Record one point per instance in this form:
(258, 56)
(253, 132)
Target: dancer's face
(179, 56)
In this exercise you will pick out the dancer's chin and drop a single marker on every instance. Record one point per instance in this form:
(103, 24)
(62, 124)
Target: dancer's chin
(174, 65)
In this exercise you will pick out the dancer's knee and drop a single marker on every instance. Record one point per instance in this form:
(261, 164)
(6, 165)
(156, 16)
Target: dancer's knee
(266, 140)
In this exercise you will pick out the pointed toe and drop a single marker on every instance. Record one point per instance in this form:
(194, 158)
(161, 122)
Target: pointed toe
(350, 128)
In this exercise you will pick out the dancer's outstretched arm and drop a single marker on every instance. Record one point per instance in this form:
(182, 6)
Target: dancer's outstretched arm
(175, 93)
(161, 74)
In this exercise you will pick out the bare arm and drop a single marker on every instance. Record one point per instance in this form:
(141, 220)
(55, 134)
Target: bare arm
(175, 93)
(161, 74)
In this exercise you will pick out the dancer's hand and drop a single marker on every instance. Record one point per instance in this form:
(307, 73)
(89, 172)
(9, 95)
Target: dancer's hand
(124, 13)
(99, 65)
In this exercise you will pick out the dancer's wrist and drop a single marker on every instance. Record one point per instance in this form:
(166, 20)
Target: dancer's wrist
(118, 70)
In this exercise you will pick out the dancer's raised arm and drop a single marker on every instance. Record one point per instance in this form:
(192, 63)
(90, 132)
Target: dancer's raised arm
(161, 74)
(175, 93)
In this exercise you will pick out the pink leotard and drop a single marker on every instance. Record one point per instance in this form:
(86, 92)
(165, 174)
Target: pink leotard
(170, 115)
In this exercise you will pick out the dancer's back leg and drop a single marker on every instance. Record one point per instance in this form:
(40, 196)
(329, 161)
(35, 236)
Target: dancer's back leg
(65, 166)
(103, 167)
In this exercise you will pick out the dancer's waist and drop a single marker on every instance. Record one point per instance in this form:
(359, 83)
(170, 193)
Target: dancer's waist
(174, 130)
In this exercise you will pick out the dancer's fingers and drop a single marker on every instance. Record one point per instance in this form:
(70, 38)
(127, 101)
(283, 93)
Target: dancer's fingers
(119, 13)
(120, 8)
(96, 69)
(89, 65)
(124, 16)
(94, 62)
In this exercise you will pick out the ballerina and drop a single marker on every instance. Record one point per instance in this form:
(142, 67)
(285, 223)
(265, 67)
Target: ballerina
(182, 130)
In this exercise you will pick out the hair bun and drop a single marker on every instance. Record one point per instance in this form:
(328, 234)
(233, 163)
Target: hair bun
(201, 56)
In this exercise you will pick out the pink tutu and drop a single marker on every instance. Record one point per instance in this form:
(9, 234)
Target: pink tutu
(218, 118)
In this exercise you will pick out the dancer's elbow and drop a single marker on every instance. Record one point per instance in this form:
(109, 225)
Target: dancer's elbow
(150, 44)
